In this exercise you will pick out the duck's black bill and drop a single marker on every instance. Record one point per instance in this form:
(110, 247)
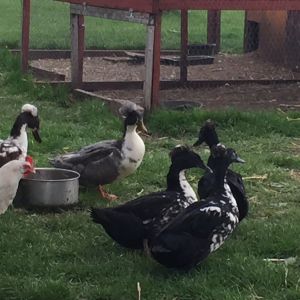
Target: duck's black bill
(36, 135)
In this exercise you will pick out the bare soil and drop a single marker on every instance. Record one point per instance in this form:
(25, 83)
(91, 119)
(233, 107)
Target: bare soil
(225, 67)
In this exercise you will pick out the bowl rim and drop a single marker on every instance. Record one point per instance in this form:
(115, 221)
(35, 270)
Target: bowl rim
(54, 180)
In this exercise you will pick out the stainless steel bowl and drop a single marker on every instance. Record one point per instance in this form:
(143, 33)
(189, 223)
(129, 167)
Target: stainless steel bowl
(48, 187)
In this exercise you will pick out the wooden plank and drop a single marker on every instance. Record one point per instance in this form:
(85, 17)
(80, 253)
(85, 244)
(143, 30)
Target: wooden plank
(214, 28)
(45, 74)
(77, 53)
(136, 5)
(167, 84)
(148, 67)
(112, 14)
(25, 35)
(152, 6)
(292, 40)
(184, 46)
(156, 61)
(230, 4)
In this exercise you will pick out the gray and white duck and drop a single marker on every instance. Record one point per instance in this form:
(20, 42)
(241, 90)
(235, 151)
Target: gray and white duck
(109, 160)
(15, 147)
(132, 223)
(203, 226)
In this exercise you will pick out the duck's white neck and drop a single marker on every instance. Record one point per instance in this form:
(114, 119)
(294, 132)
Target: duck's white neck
(22, 140)
(186, 187)
(133, 150)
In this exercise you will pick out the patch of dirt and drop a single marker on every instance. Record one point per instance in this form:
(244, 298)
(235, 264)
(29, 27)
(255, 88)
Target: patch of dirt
(225, 67)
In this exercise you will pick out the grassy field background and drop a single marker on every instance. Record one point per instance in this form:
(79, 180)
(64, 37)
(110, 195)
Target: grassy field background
(65, 256)
(50, 28)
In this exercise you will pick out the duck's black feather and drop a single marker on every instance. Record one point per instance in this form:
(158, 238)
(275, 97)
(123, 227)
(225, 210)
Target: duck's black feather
(235, 181)
(147, 214)
(204, 225)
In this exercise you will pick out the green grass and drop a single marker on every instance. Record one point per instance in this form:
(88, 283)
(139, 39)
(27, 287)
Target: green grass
(65, 256)
(50, 28)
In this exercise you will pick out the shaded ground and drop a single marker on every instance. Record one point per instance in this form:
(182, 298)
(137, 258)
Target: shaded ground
(225, 67)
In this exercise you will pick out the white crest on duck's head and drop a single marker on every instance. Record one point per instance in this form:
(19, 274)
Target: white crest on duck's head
(30, 108)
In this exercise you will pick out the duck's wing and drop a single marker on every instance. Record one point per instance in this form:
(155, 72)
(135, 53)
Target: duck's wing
(100, 171)
(125, 228)
(186, 240)
(234, 178)
(149, 206)
(87, 154)
(9, 151)
(236, 184)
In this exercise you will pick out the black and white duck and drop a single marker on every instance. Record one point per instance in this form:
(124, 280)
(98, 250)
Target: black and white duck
(209, 135)
(203, 226)
(15, 147)
(110, 160)
(131, 223)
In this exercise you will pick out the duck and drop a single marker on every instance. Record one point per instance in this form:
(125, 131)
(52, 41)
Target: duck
(10, 175)
(15, 147)
(235, 181)
(203, 226)
(109, 160)
(131, 223)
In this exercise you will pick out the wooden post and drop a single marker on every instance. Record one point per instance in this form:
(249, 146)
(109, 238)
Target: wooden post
(156, 60)
(214, 28)
(77, 51)
(184, 44)
(25, 35)
(148, 67)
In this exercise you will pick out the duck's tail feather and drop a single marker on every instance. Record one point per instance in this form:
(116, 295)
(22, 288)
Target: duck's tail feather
(98, 215)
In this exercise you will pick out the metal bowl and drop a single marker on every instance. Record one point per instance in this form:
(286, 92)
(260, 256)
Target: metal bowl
(48, 187)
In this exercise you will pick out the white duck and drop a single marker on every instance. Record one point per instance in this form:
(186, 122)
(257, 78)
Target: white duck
(16, 145)
(10, 175)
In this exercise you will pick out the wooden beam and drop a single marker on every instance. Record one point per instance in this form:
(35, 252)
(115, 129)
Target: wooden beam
(156, 61)
(184, 45)
(77, 51)
(151, 6)
(148, 67)
(230, 4)
(108, 13)
(25, 35)
(214, 28)
(136, 5)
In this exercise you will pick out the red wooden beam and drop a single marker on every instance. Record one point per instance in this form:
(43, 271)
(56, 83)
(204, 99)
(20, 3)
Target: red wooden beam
(214, 28)
(184, 43)
(230, 4)
(136, 5)
(25, 35)
(156, 61)
(150, 5)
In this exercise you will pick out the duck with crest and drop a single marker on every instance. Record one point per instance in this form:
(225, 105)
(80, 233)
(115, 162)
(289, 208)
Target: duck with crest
(235, 181)
(131, 223)
(15, 147)
(203, 226)
(107, 161)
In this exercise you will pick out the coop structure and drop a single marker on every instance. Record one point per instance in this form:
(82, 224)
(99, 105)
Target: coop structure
(262, 26)
(149, 13)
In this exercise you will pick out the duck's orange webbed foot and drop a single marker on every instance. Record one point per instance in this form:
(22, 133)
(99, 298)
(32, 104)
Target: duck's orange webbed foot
(104, 194)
